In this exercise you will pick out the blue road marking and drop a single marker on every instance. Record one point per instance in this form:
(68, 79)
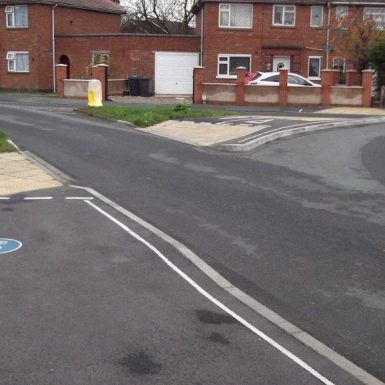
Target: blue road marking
(9, 245)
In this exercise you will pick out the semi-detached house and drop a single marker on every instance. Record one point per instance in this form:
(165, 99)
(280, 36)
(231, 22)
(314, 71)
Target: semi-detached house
(257, 34)
(28, 31)
(265, 35)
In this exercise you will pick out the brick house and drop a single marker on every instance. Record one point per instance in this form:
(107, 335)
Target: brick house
(265, 35)
(258, 34)
(28, 32)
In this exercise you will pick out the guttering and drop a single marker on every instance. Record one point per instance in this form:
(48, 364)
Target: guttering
(53, 48)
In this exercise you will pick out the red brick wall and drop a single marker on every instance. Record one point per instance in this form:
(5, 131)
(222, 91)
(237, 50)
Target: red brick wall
(129, 54)
(36, 39)
(75, 21)
(263, 40)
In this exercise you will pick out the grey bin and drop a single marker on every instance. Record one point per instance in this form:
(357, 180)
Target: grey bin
(133, 83)
(145, 86)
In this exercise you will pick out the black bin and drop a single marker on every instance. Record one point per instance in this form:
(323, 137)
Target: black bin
(133, 83)
(145, 86)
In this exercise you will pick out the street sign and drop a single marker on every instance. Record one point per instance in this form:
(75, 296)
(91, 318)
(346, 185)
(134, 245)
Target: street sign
(9, 245)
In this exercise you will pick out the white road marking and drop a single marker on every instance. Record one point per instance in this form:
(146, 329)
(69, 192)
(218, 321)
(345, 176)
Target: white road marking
(304, 338)
(4, 198)
(79, 198)
(37, 198)
(245, 323)
(280, 129)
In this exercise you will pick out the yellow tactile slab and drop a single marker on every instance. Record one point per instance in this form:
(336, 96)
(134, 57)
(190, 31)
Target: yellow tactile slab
(18, 174)
(354, 110)
(200, 134)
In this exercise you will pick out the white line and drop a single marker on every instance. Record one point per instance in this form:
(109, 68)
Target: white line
(323, 350)
(283, 129)
(80, 198)
(4, 198)
(245, 323)
(37, 198)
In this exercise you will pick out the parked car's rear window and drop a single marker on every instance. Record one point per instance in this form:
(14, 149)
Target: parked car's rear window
(256, 76)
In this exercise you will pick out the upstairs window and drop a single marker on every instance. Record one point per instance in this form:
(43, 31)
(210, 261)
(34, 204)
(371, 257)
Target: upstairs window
(235, 15)
(377, 15)
(16, 16)
(316, 16)
(18, 61)
(284, 15)
(227, 65)
(342, 12)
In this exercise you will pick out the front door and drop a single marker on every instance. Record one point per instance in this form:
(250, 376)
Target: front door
(281, 62)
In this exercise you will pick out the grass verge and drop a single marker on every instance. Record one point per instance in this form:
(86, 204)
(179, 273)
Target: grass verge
(4, 145)
(148, 116)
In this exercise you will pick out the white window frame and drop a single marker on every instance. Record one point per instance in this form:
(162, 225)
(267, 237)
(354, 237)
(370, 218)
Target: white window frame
(311, 16)
(339, 58)
(11, 57)
(228, 56)
(10, 10)
(100, 55)
(284, 6)
(344, 11)
(229, 6)
(319, 67)
(372, 11)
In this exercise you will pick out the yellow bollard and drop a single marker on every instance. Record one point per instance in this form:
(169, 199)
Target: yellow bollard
(95, 93)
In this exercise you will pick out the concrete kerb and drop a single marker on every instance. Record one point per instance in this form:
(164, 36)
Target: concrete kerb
(269, 137)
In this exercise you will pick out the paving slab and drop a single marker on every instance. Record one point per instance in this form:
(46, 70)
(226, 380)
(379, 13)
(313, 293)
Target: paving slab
(18, 174)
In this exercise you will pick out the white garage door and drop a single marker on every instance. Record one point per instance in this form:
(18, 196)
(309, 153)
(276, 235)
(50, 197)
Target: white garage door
(174, 72)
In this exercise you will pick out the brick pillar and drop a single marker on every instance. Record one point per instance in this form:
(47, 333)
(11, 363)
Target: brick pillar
(326, 83)
(60, 75)
(240, 88)
(336, 77)
(367, 78)
(283, 78)
(198, 85)
(99, 72)
(352, 78)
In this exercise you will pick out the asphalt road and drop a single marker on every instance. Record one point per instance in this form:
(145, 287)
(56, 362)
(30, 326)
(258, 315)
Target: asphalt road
(298, 225)
(86, 300)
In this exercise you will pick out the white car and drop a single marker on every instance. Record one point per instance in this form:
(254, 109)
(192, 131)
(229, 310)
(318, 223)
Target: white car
(272, 79)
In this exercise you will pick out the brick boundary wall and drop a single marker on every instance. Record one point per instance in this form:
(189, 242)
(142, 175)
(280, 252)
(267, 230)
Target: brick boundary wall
(328, 80)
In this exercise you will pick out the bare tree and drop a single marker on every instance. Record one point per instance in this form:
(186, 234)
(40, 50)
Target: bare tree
(159, 16)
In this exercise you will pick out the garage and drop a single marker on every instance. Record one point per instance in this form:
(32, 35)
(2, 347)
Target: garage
(174, 72)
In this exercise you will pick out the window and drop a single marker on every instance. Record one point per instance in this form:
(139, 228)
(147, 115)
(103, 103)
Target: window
(16, 16)
(377, 15)
(274, 78)
(284, 15)
(341, 11)
(339, 64)
(100, 58)
(18, 61)
(293, 79)
(235, 15)
(227, 64)
(316, 16)
(314, 69)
